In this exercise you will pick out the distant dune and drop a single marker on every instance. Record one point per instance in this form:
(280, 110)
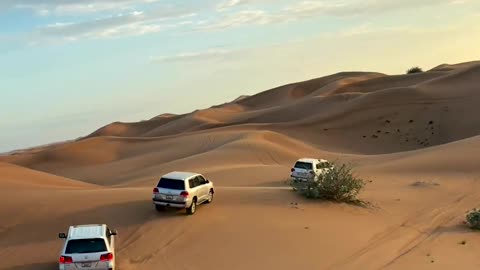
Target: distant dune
(402, 132)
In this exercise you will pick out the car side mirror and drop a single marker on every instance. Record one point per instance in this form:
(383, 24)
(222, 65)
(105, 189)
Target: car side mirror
(207, 181)
(62, 235)
(113, 232)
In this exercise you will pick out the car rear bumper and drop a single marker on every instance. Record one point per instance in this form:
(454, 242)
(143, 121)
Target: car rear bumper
(74, 267)
(169, 203)
(301, 179)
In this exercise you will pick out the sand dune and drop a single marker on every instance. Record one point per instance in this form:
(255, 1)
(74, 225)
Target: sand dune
(133, 129)
(378, 106)
(449, 67)
(386, 82)
(16, 177)
(284, 94)
(123, 159)
(415, 137)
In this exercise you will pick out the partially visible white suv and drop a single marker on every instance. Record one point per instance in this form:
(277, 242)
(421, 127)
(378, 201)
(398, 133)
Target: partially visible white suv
(182, 190)
(88, 247)
(309, 169)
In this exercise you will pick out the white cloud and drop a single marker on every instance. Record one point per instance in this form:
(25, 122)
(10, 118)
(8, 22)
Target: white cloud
(363, 32)
(43, 12)
(308, 9)
(358, 7)
(210, 54)
(132, 23)
(370, 29)
(230, 3)
(129, 21)
(459, 2)
(244, 17)
(220, 53)
(72, 7)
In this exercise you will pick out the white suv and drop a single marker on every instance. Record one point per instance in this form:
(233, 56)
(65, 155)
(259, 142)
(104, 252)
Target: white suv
(88, 247)
(182, 190)
(309, 169)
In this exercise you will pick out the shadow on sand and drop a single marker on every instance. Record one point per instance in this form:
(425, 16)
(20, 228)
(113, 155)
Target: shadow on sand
(116, 215)
(34, 266)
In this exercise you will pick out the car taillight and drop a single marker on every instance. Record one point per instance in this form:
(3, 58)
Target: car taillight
(106, 257)
(155, 190)
(184, 194)
(65, 259)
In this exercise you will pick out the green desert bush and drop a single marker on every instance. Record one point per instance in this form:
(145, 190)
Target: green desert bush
(337, 184)
(414, 70)
(473, 219)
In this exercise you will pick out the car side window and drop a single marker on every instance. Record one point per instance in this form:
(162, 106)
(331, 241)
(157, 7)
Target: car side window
(195, 182)
(201, 180)
(319, 166)
(191, 183)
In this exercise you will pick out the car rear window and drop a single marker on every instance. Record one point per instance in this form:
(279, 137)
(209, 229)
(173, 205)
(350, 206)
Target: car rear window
(171, 184)
(92, 245)
(303, 165)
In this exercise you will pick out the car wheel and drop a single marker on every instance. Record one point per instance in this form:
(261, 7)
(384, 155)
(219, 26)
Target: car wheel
(210, 196)
(160, 208)
(191, 210)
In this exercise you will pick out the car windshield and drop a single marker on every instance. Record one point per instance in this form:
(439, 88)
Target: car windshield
(93, 245)
(303, 165)
(171, 184)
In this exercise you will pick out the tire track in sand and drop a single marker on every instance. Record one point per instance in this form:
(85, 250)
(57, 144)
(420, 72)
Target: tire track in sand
(158, 236)
(399, 240)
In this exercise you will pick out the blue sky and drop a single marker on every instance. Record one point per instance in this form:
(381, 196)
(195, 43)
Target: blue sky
(68, 67)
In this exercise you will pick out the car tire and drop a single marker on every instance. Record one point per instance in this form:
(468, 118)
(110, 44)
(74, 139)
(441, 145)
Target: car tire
(210, 196)
(160, 208)
(193, 207)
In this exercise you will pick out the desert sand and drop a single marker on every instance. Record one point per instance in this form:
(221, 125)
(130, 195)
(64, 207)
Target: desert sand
(415, 138)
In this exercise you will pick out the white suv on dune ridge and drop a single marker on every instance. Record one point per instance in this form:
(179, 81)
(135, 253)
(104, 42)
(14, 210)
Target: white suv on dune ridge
(182, 190)
(88, 247)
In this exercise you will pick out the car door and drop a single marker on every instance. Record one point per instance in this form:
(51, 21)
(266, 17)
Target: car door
(193, 183)
(202, 188)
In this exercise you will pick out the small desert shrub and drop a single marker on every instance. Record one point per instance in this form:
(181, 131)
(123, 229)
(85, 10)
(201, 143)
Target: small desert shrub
(337, 184)
(473, 219)
(414, 70)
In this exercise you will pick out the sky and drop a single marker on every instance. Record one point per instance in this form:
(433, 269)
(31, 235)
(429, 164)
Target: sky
(69, 67)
